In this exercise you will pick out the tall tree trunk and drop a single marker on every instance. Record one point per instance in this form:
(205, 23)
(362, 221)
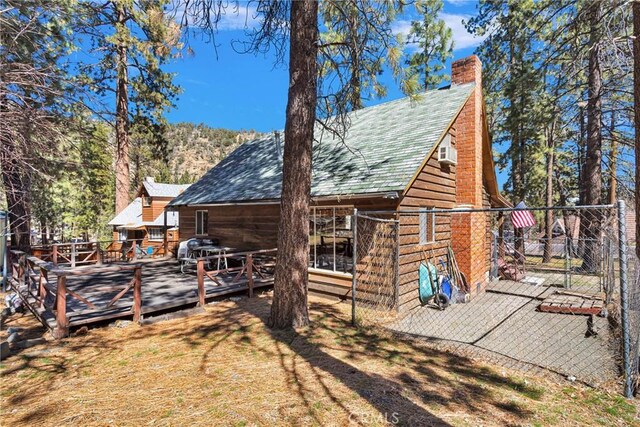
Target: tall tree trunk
(355, 81)
(289, 308)
(591, 219)
(122, 123)
(17, 189)
(613, 161)
(548, 218)
(568, 218)
(636, 99)
(517, 155)
(581, 148)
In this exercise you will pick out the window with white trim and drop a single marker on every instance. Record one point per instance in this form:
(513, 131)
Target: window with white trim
(146, 201)
(202, 222)
(155, 233)
(427, 226)
(122, 234)
(331, 238)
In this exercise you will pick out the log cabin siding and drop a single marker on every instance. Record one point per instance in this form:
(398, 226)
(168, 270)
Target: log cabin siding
(434, 187)
(150, 213)
(251, 227)
(248, 227)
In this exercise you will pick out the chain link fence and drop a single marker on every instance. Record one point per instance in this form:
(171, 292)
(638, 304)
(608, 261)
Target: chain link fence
(532, 289)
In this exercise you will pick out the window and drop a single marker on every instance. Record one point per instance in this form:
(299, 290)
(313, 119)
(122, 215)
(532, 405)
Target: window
(146, 201)
(122, 234)
(427, 226)
(331, 239)
(155, 233)
(202, 223)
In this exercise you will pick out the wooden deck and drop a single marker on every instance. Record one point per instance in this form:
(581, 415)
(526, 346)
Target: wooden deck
(163, 288)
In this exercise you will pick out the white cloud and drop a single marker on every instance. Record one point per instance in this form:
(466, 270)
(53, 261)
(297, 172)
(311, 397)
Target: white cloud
(462, 39)
(460, 2)
(231, 18)
(239, 18)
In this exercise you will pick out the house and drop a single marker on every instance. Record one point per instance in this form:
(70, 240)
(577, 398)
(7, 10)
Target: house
(143, 220)
(387, 161)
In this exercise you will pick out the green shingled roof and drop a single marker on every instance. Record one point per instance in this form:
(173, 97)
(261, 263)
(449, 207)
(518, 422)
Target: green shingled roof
(384, 147)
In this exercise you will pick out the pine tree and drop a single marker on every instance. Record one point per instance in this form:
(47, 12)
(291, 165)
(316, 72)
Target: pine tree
(434, 44)
(365, 35)
(133, 39)
(34, 96)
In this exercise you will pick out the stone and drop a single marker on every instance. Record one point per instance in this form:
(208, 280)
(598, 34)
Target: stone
(29, 343)
(13, 338)
(123, 323)
(4, 350)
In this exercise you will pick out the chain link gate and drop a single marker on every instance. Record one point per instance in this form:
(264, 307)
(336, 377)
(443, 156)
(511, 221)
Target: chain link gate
(535, 298)
(375, 291)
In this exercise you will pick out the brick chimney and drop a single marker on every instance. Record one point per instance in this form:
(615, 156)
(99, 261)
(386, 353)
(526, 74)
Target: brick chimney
(469, 128)
(470, 243)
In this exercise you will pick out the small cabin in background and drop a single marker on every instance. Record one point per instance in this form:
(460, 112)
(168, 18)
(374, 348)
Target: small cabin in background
(143, 220)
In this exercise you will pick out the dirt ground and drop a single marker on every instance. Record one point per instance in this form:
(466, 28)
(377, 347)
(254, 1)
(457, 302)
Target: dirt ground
(226, 367)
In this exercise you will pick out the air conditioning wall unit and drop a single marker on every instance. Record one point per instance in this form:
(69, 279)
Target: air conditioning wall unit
(447, 153)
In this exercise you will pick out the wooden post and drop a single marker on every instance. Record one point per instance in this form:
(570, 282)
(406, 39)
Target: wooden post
(201, 292)
(250, 274)
(73, 255)
(165, 243)
(54, 255)
(24, 271)
(134, 247)
(98, 254)
(501, 246)
(44, 278)
(62, 323)
(137, 294)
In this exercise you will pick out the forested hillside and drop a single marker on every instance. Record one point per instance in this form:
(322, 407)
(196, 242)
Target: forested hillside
(190, 151)
(77, 196)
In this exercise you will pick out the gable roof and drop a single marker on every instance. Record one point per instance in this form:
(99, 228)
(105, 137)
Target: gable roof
(131, 217)
(384, 146)
(160, 189)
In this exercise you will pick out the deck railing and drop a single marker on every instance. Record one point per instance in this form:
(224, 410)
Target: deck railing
(253, 263)
(101, 252)
(31, 280)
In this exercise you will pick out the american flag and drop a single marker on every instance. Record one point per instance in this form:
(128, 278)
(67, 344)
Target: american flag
(522, 219)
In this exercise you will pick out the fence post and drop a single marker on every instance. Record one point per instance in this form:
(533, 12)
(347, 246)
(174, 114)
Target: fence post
(25, 271)
(250, 274)
(73, 255)
(54, 255)
(201, 293)
(98, 254)
(354, 266)
(44, 278)
(624, 298)
(62, 323)
(137, 294)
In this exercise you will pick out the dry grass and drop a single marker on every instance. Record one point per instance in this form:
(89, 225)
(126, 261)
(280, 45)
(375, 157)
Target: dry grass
(225, 367)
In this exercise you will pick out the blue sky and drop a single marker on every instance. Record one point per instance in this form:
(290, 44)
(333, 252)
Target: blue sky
(244, 91)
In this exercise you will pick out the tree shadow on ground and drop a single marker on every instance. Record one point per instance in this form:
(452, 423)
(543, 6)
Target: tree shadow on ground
(330, 361)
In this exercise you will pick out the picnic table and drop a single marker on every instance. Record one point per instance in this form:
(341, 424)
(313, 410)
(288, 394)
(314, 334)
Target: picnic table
(206, 250)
